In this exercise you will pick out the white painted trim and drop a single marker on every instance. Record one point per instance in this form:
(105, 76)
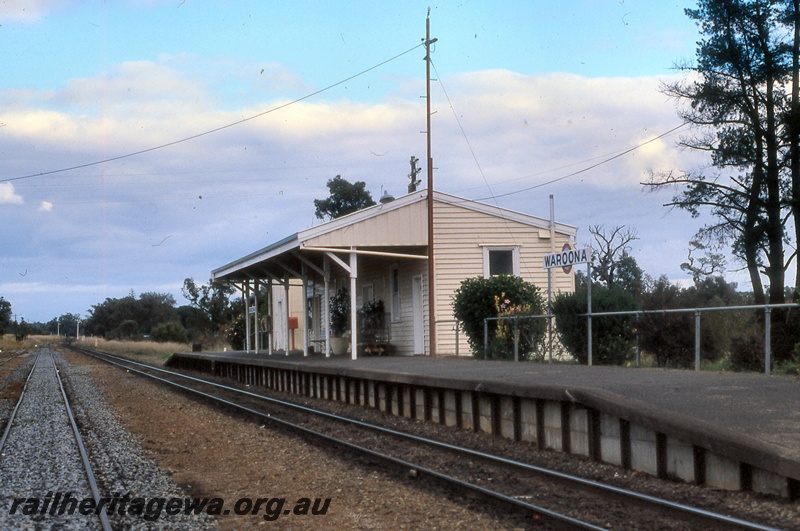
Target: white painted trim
(514, 257)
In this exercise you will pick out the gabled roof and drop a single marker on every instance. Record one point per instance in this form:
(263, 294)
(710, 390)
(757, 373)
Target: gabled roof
(401, 223)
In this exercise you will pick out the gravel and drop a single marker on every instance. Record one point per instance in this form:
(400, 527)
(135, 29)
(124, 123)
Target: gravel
(41, 456)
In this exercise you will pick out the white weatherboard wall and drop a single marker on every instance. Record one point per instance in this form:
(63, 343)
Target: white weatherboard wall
(460, 235)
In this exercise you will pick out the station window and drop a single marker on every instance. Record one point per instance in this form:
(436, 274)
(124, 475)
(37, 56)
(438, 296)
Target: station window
(500, 261)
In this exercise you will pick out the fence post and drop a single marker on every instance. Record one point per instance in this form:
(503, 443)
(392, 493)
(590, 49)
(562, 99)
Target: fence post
(767, 340)
(485, 337)
(637, 340)
(516, 339)
(697, 340)
(589, 307)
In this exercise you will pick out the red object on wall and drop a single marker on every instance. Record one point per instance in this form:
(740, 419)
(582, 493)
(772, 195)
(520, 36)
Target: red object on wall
(293, 323)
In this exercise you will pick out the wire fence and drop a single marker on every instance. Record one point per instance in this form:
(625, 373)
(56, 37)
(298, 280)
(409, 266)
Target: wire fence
(523, 346)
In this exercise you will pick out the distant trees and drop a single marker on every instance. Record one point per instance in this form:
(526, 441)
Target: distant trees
(68, 323)
(345, 198)
(130, 317)
(5, 316)
(212, 309)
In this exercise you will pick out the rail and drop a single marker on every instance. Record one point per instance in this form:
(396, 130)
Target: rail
(553, 517)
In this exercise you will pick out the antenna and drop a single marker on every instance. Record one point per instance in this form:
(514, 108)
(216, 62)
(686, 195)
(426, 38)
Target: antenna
(412, 187)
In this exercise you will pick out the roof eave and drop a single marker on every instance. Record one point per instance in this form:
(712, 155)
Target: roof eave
(287, 244)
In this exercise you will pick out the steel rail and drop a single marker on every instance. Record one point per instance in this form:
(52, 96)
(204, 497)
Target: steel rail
(13, 415)
(497, 496)
(568, 478)
(104, 522)
(12, 357)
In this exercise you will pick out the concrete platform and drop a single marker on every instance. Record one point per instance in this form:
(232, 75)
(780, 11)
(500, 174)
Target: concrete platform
(751, 419)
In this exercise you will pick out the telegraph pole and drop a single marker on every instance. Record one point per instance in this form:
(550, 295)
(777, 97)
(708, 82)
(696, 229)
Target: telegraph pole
(431, 270)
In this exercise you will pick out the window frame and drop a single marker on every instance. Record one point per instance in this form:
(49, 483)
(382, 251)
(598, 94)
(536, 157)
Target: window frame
(488, 249)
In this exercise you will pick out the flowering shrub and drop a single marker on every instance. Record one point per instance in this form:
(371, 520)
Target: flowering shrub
(500, 296)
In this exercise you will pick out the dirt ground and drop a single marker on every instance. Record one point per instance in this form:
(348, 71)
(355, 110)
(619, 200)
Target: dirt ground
(212, 454)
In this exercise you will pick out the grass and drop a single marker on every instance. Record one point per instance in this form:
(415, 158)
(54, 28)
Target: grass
(8, 343)
(147, 349)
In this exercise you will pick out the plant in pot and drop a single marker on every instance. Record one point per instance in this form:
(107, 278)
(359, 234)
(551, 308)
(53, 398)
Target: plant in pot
(340, 321)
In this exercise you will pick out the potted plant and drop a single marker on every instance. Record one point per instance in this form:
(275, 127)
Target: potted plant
(340, 321)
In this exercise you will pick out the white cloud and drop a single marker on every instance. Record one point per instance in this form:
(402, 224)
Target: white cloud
(171, 213)
(8, 196)
(29, 10)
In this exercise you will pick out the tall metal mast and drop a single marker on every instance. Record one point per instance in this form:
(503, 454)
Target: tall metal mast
(431, 270)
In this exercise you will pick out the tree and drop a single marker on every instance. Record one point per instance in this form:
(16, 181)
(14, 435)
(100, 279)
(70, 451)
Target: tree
(704, 266)
(149, 310)
(670, 337)
(612, 263)
(154, 309)
(68, 323)
(214, 307)
(737, 106)
(345, 198)
(5, 315)
(22, 330)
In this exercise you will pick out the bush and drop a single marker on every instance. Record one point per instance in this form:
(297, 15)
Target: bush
(126, 330)
(785, 333)
(747, 353)
(169, 332)
(612, 339)
(670, 337)
(340, 312)
(500, 296)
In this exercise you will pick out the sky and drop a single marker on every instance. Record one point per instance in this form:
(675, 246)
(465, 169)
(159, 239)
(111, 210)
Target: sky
(220, 123)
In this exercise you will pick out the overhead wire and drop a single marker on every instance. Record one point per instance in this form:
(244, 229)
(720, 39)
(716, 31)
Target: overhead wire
(210, 131)
(494, 196)
(588, 168)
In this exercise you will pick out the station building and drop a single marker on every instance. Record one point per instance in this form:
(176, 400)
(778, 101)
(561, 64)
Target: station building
(378, 256)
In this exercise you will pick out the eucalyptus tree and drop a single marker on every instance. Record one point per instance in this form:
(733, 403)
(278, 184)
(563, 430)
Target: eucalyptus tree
(735, 98)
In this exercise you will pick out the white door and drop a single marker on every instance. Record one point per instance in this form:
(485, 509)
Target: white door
(419, 319)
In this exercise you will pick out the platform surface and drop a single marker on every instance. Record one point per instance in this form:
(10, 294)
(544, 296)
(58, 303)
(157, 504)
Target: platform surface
(766, 408)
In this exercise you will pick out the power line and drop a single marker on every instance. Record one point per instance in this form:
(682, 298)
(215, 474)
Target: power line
(211, 131)
(483, 175)
(584, 170)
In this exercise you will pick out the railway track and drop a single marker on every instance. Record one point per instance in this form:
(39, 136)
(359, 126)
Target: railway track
(42, 450)
(575, 503)
(9, 358)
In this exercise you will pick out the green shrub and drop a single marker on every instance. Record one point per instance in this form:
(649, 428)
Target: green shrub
(503, 295)
(169, 332)
(128, 329)
(747, 351)
(612, 339)
(340, 312)
(670, 337)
